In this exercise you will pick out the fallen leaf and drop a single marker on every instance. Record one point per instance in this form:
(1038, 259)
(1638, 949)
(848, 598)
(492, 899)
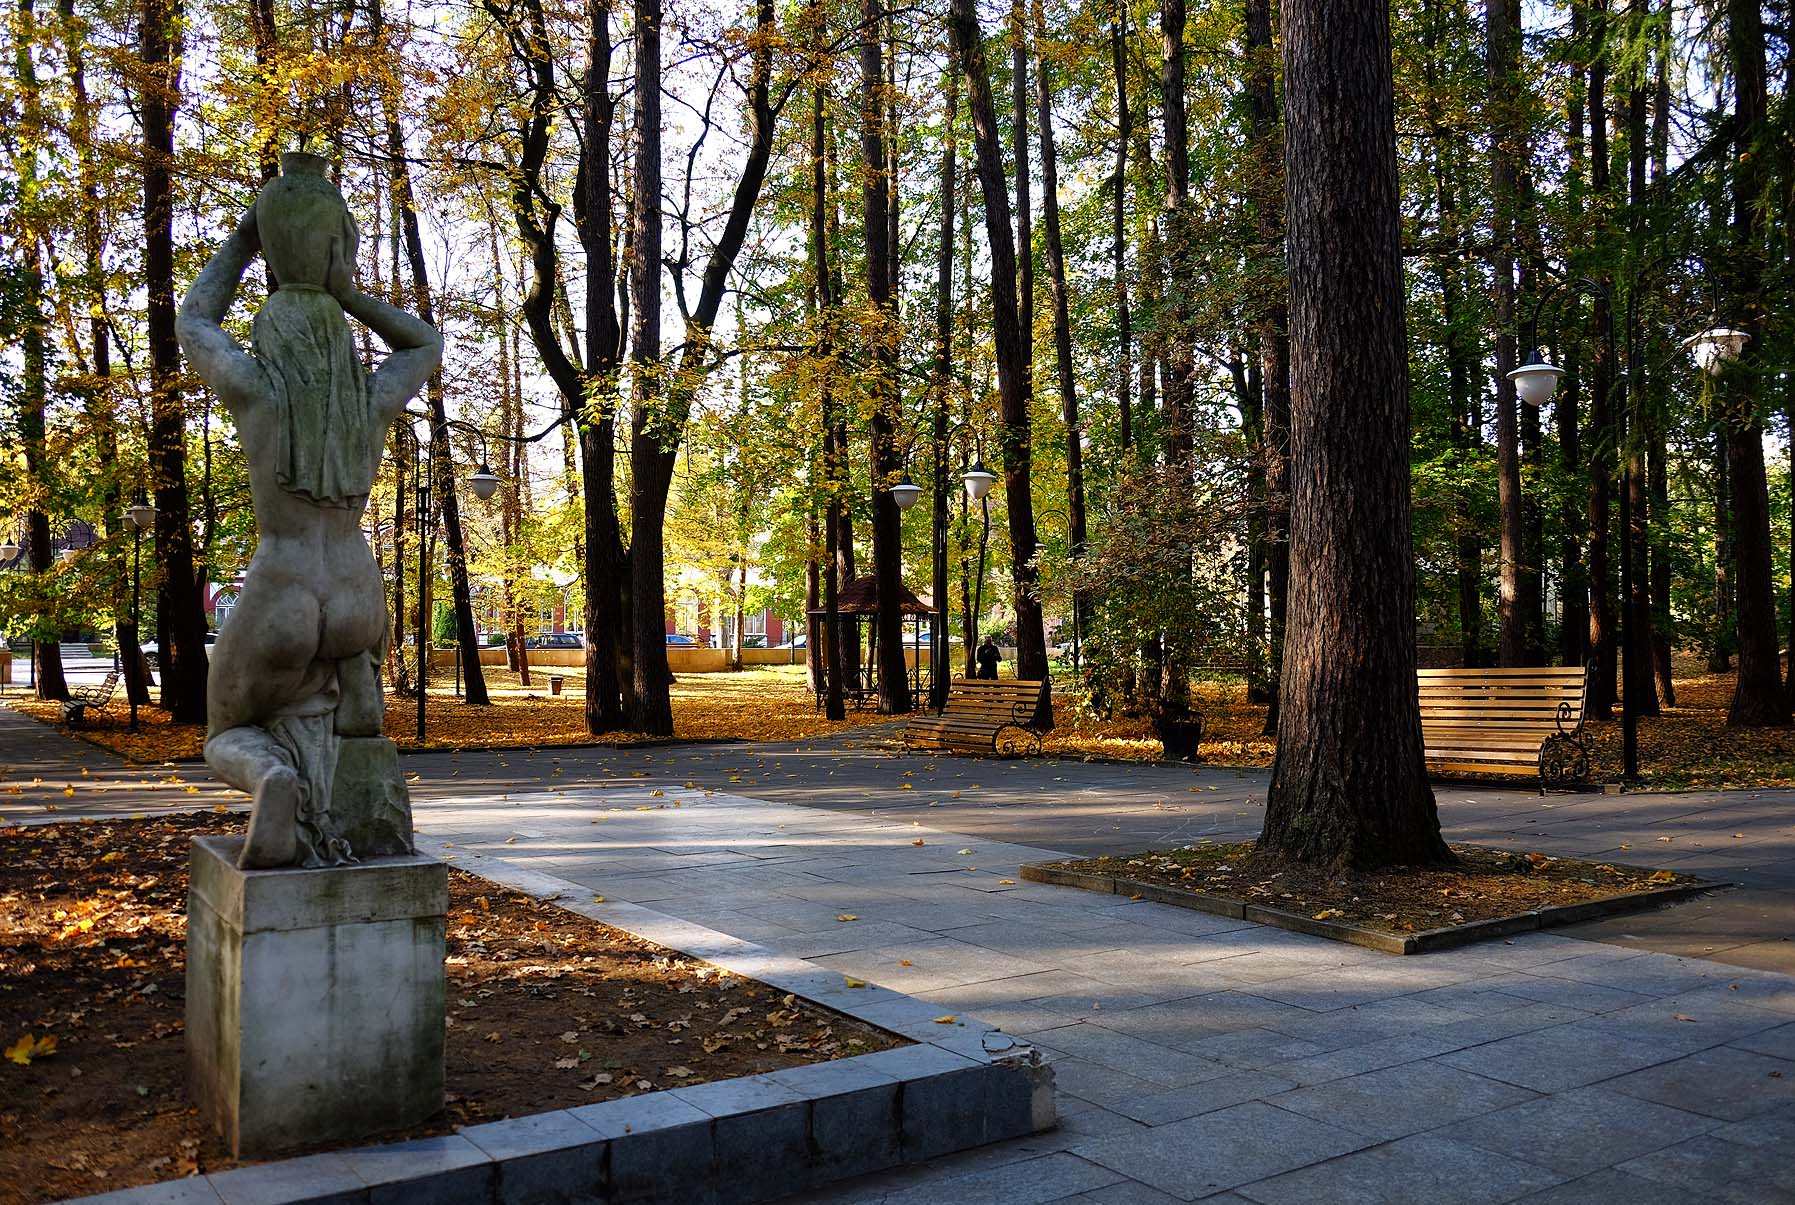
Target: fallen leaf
(1662, 876)
(850, 981)
(947, 1020)
(1681, 1017)
(847, 916)
(903, 962)
(1006, 882)
(918, 841)
(30, 1047)
(566, 1064)
(1328, 914)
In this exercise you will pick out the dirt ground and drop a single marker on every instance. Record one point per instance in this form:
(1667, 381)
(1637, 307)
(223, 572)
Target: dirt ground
(547, 1010)
(1486, 883)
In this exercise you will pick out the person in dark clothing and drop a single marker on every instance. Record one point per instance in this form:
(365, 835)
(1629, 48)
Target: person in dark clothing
(988, 657)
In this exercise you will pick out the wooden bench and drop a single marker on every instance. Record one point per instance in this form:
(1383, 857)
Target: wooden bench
(74, 708)
(983, 716)
(1524, 721)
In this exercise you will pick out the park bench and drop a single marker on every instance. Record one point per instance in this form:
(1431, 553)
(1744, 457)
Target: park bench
(74, 708)
(983, 715)
(1523, 721)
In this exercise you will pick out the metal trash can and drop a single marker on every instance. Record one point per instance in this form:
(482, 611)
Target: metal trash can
(554, 683)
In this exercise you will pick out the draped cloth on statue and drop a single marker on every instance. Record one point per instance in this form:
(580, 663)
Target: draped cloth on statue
(326, 448)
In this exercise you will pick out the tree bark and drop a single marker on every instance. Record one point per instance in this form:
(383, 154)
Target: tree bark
(1119, 235)
(1758, 699)
(835, 661)
(1012, 370)
(180, 601)
(943, 390)
(886, 463)
(1602, 618)
(1179, 357)
(1348, 787)
(1502, 49)
(1720, 657)
(441, 461)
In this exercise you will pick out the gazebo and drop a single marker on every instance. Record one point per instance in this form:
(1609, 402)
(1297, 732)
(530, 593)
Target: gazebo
(854, 602)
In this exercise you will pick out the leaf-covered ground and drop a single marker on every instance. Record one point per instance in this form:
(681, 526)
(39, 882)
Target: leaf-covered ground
(1486, 884)
(546, 1010)
(769, 703)
(1688, 747)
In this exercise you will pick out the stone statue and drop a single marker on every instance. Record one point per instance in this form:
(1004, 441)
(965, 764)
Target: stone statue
(294, 700)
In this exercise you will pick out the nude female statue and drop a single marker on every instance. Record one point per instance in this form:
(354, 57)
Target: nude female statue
(298, 667)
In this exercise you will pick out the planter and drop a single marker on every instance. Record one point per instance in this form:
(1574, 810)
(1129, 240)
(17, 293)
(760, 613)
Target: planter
(1181, 737)
(554, 683)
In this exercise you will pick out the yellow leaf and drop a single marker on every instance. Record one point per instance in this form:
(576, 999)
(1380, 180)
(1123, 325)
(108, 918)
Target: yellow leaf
(656, 793)
(853, 982)
(906, 786)
(947, 1020)
(903, 962)
(847, 916)
(598, 899)
(964, 852)
(1662, 876)
(30, 1047)
(1006, 882)
(918, 841)
(190, 791)
(219, 807)
(69, 791)
(1328, 914)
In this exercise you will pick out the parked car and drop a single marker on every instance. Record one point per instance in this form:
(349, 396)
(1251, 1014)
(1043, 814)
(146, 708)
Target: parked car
(152, 657)
(676, 638)
(555, 640)
(752, 641)
(799, 641)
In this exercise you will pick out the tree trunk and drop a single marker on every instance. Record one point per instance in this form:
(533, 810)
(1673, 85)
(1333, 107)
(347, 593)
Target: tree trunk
(180, 601)
(649, 707)
(1266, 146)
(1602, 618)
(1758, 699)
(1573, 627)
(1012, 370)
(1348, 787)
(1025, 237)
(1720, 657)
(442, 467)
(1062, 320)
(1179, 380)
(1502, 49)
(835, 661)
(886, 462)
(1119, 237)
(943, 390)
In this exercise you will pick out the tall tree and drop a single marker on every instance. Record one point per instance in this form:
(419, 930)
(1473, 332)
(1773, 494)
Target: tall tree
(886, 461)
(1348, 787)
(1758, 699)
(1014, 392)
(1118, 43)
(180, 600)
(943, 385)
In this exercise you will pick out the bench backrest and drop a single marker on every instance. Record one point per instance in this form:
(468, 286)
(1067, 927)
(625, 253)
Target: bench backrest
(1012, 700)
(1527, 698)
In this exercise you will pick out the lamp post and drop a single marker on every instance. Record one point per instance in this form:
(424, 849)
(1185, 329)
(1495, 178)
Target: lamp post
(484, 482)
(141, 517)
(1535, 383)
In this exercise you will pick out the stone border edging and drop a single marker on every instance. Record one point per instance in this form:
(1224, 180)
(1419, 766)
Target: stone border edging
(753, 1138)
(1390, 943)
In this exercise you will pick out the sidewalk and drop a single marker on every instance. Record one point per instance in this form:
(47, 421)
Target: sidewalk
(1195, 1056)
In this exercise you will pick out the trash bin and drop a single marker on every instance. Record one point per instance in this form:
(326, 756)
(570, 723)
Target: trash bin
(554, 683)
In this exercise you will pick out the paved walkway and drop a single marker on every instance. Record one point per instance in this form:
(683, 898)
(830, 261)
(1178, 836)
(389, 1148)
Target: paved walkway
(1195, 1056)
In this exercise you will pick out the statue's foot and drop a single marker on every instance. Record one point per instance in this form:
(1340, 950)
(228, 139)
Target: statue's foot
(273, 822)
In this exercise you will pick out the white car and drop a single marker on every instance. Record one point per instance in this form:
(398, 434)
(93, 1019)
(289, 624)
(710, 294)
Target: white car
(152, 655)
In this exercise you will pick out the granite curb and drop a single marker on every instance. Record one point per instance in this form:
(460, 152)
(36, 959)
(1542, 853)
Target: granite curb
(755, 1138)
(1422, 942)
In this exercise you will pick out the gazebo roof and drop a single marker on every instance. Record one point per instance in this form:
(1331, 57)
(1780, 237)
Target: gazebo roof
(861, 597)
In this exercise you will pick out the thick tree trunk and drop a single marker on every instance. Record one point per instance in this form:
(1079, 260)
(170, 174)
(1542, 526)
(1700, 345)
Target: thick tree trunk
(1025, 236)
(1179, 357)
(886, 462)
(649, 707)
(180, 600)
(1012, 369)
(1348, 787)
(1720, 657)
(1603, 633)
(1758, 699)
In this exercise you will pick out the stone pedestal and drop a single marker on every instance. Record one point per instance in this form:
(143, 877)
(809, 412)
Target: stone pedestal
(314, 997)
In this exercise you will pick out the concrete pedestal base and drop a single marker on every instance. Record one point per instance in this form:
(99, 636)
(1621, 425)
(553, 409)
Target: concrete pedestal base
(314, 997)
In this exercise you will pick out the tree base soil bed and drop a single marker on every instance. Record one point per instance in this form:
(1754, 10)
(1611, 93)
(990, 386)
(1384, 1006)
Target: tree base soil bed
(1406, 910)
(546, 1010)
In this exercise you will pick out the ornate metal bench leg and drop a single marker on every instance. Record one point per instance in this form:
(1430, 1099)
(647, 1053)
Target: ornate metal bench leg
(1013, 740)
(1563, 761)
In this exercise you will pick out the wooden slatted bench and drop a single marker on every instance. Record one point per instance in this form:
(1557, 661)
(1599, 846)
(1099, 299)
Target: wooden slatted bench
(1523, 721)
(982, 716)
(75, 707)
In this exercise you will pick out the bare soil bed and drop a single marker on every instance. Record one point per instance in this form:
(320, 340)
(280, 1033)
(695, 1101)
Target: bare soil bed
(547, 1010)
(1486, 884)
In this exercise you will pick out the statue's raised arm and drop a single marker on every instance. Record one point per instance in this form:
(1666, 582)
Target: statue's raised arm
(294, 700)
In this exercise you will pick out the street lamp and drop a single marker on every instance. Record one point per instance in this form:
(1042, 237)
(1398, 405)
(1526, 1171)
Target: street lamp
(1716, 347)
(484, 484)
(978, 480)
(140, 518)
(905, 492)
